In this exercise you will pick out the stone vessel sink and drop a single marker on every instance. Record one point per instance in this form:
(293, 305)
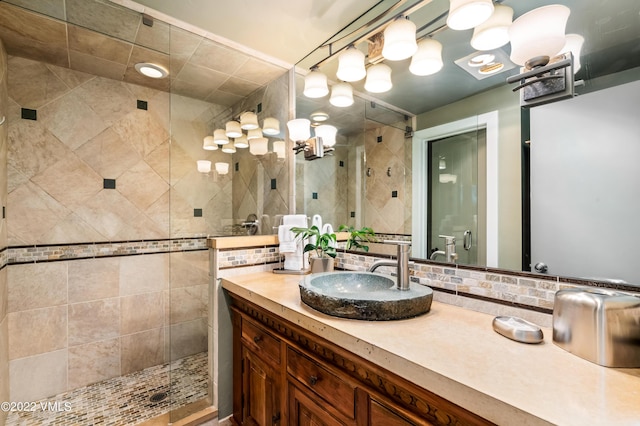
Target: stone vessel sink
(364, 296)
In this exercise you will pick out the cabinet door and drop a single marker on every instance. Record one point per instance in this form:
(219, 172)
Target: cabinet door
(303, 411)
(260, 392)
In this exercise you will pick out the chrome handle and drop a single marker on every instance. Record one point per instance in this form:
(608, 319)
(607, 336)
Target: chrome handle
(541, 267)
(467, 241)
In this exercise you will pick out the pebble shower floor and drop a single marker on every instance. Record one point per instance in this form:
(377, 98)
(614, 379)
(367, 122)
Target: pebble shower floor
(124, 400)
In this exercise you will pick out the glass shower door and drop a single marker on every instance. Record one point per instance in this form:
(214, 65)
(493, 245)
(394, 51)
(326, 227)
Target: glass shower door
(454, 198)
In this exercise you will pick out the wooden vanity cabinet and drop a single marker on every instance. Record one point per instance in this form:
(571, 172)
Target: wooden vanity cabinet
(285, 375)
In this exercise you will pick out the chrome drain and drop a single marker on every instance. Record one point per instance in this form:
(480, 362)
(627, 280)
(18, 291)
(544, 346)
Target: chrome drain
(159, 396)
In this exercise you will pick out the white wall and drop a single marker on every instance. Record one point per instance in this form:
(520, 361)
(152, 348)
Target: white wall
(585, 184)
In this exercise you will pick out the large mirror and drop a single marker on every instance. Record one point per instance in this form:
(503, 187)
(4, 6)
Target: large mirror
(454, 116)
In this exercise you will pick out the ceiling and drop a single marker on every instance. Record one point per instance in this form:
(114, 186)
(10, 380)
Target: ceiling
(277, 33)
(106, 39)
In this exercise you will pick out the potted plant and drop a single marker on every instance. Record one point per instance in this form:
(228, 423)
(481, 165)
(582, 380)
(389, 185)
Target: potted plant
(324, 247)
(357, 237)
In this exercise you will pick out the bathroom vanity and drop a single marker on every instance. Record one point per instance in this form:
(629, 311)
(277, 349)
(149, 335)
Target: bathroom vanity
(294, 365)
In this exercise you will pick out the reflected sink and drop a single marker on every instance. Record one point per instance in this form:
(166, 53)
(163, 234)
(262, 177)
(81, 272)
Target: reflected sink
(364, 296)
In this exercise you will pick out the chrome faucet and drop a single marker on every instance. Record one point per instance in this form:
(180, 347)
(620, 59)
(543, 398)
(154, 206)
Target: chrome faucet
(450, 249)
(402, 263)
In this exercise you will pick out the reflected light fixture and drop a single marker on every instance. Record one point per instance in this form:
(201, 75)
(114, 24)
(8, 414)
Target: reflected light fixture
(378, 79)
(466, 14)
(271, 126)
(341, 95)
(299, 129)
(319, 116)
(254, 134)
(279, 147)
(538, 35)
(494, 32)
(573, 44)
(327, 133)
(259, 146)
(248, 121)
(351, 65)
(428, 59)
(232, 129)
(204, 166)
(241, 142)
(220, 137)
(209, 143)
(151, 70)
(221, 168)
(228, 148)
(399, 40)
(315, 84)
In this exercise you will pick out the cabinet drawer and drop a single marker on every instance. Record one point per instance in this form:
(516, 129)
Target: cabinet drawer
(337, 392)
(261, 340)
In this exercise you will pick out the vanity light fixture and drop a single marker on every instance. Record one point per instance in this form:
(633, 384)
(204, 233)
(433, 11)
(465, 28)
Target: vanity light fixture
(254, 134)
(241, 142)
(299, 129)
(378, 79)
(538, 35)
(204, 166)
(151, 70)
(428, 59)
(327, 133)
(573, 44)
(228, 148)
(259, 146)
(220, 137)
(271, 126)
(209, 143)
(279, 147)
(249, 120)
(466, 14)
(494, 32)
(315, 84)
(351, 65)
(341, 95)
(232, 129)
(399, 40)
(221, 168)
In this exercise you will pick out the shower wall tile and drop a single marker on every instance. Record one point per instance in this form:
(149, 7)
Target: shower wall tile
(37, 286)
(37, 331)
(142, 350)
(144, 274)
(34, 85)
(188, 303)
(93, 279)
(189, 268)
(142, 312)
(93, 362)
(188, 338)
(93, 321)
(108, 154)
(48, 370)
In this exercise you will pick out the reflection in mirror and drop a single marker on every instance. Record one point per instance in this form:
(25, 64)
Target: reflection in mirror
(607, 59)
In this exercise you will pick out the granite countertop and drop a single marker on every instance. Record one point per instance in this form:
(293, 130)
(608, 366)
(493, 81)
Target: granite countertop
(455, 353)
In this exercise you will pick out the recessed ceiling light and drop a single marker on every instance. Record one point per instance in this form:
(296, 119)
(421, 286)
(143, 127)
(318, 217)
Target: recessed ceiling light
(482, 59)
(491, 68)
(319, 116)
(151, 70)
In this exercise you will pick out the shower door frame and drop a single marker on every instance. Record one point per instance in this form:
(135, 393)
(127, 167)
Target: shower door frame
(421, 139)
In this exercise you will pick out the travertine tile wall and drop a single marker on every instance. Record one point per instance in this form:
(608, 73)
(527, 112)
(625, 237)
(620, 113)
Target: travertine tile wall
(77, 322)
(387, 205)
(89, 129)
(4, 323)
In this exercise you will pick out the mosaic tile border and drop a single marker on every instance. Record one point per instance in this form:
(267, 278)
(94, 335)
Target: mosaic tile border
(518, 289)
(57, 252)
(247, 256)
